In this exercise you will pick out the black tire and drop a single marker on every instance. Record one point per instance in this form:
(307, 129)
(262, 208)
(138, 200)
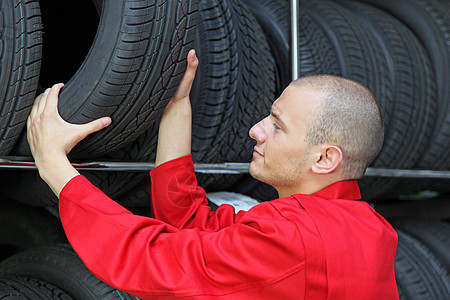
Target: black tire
(434, 234)
(429, 20)
(412, 116)
(23, 227)
(213, 94)
(138, 196)
(359, 55)
(20, 60)
(414, 108)
(256, 92)
(24, 288)
(253, 91)
(26, 186)
(418, 273)
(61, 267)
(316, 52)
(274, 17)
(131, 71)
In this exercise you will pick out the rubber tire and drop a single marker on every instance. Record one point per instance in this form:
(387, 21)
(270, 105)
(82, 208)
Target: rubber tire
(20, 60)
(418, 273)
(132, 70)
(213, 95)
(274, 18)
(434, 234)
(253, 91)
(24, 288)
(414, 109)
(429, 21)
(138, 196)
(256, 92)
(23, 227)
(61, 267)
(26, 186)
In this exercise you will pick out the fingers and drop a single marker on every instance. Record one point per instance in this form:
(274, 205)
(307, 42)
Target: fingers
(33, 110)
(189, 75)
(51, 101)
(38, 106)
(97, 125)
(86, 129)
(47, 99)
(192, 61)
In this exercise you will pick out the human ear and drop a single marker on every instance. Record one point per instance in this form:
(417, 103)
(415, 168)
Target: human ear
(329, 159)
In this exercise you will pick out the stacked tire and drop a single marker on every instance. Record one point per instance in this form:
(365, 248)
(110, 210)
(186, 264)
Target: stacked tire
(52, 272)
(125, 59)
(37, 263)
(422, 262)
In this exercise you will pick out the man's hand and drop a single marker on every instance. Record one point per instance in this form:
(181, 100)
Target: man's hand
(174, 138)
(51, 138)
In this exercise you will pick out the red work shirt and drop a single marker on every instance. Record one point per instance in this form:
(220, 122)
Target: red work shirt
(328, 245)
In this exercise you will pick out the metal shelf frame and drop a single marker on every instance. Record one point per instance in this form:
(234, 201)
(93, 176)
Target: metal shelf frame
(26, 163)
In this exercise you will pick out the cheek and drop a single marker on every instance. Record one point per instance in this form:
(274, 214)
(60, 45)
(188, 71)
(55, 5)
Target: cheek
(292, 156)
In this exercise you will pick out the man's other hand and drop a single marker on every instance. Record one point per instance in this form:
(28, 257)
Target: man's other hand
(174, 138)
(51, 138)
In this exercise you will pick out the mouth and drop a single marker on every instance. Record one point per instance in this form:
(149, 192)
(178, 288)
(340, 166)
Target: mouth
(256, 153)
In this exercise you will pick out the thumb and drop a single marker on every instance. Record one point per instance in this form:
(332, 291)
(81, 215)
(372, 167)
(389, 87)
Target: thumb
(94, 126)
(185, 85)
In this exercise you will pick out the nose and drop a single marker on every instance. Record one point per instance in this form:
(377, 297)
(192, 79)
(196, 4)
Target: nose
(258, 133)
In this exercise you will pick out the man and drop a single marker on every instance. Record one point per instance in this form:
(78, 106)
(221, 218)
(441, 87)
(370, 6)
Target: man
(318, 241)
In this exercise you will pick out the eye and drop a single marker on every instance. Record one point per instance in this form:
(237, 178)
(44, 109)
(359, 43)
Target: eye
(276, 126)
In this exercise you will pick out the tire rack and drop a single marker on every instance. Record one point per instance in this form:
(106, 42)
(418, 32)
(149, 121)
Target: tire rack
(18, 162)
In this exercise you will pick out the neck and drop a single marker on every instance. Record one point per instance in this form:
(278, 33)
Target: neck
(307, 188)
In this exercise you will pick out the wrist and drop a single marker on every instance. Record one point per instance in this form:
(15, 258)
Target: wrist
(50, 160)
(56, 171)
(180, 107)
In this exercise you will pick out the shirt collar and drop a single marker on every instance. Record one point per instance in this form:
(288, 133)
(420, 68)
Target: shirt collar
(348, 189)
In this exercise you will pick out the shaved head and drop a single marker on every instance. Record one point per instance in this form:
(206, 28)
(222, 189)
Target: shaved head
(348, 117)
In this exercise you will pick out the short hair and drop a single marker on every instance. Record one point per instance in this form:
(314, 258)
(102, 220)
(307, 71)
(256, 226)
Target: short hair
(348, 117)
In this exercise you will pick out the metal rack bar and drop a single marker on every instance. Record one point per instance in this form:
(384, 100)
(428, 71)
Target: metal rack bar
(294, 39)
(219, 168)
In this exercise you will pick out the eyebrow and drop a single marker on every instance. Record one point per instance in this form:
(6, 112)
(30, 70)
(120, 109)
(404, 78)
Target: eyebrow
(276, 115)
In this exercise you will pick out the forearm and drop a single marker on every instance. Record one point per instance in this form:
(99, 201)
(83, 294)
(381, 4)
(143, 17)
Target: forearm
(174, 139)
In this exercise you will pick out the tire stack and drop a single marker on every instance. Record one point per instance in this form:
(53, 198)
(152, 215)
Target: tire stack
(125, 58)
(422, 261)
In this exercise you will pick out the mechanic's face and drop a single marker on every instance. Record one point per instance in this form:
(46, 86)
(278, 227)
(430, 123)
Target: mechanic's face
(281, 155)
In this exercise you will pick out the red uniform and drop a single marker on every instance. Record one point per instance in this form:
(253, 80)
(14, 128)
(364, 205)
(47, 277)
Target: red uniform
(328, 245)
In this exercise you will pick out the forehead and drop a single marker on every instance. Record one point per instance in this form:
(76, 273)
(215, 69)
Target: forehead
(296, 104)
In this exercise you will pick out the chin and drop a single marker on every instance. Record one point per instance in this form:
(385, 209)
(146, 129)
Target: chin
(256, 174)
(252, 170)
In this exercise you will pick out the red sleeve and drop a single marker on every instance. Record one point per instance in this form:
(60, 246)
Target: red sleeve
(178, 200)
(146, 257)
